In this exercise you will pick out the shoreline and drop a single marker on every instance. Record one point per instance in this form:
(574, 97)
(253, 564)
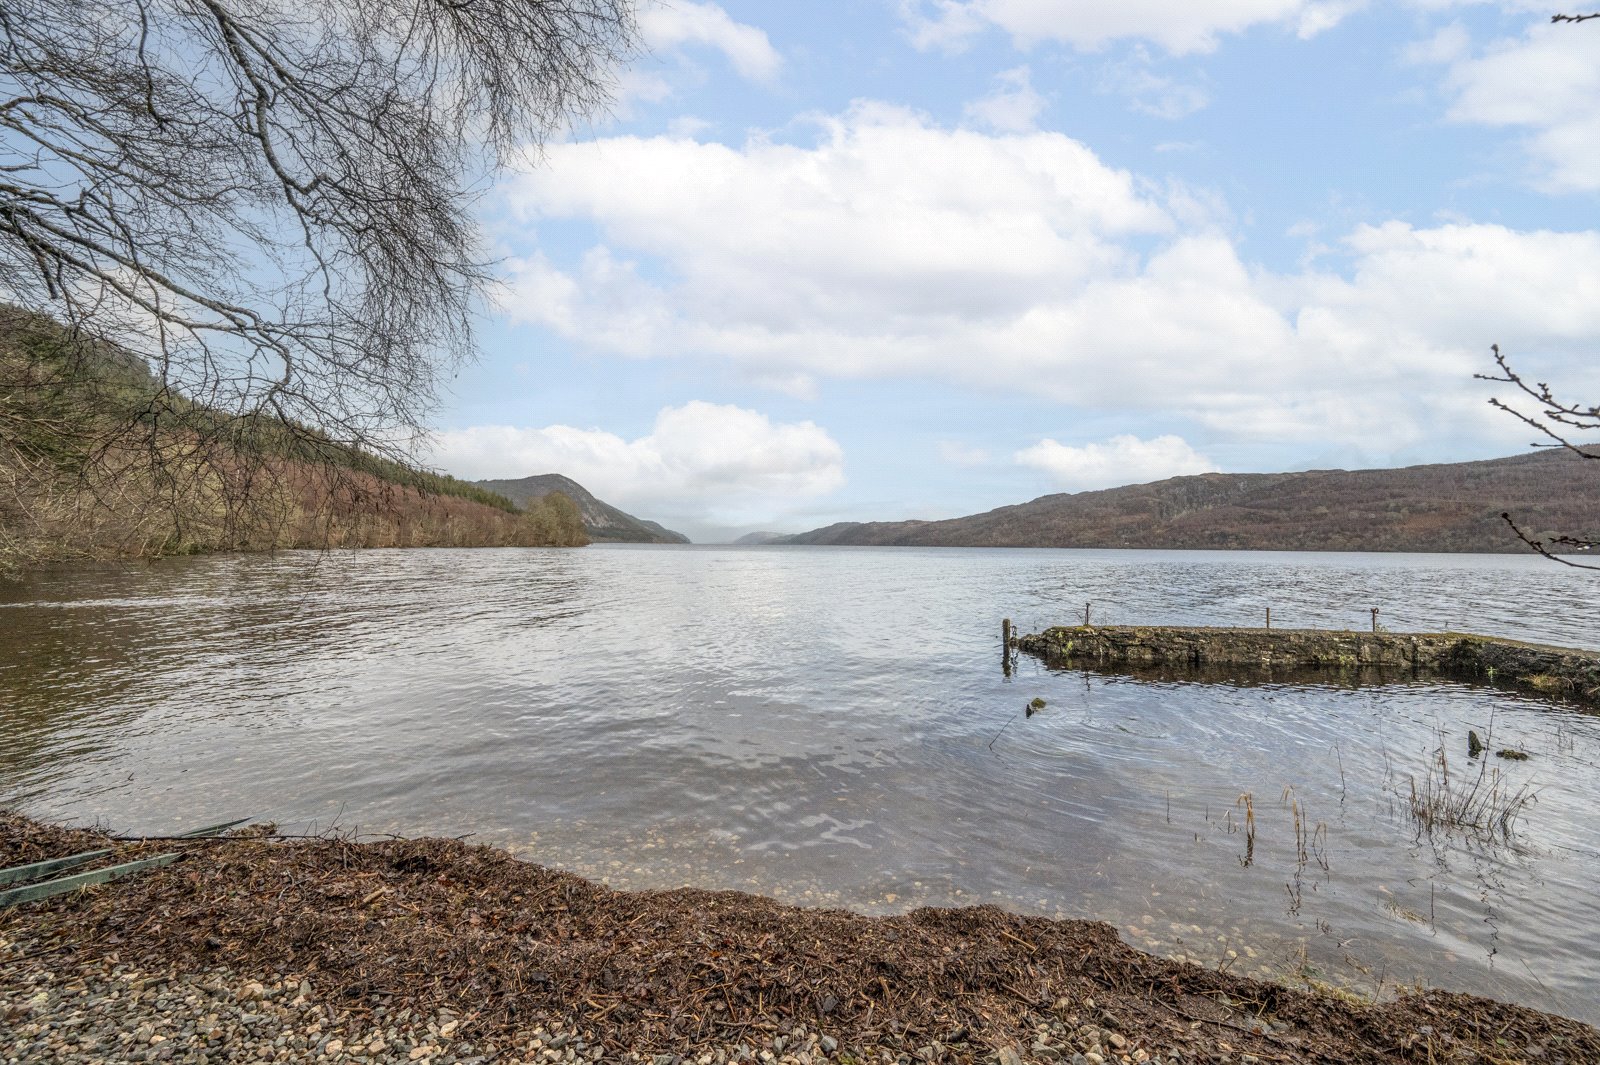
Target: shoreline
(436, 950)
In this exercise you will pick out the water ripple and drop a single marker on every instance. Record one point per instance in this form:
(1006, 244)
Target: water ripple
(832, 727)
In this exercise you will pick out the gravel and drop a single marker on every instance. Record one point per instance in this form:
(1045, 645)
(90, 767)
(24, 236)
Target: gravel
(258, 949)
(55, 1007)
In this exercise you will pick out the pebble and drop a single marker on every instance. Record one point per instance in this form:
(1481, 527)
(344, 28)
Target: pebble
(105, 1012)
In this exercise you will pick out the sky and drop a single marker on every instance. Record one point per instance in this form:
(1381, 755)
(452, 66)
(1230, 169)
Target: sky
(888, 259)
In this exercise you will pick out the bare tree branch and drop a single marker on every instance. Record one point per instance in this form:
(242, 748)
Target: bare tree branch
(1543, 546)
(1556, 419)
(271, 204)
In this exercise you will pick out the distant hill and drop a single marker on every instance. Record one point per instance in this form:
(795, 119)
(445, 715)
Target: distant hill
(1444, 507)
(604, 522)
(758, 539)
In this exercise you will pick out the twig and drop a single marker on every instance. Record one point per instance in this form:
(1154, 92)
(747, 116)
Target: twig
(1030, 947)
(1539, 545)
(1002, 731)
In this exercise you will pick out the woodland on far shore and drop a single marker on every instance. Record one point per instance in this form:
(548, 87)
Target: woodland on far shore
(95, 463)
(1456, 506)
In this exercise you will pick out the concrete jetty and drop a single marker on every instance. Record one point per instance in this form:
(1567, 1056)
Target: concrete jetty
(1562, 672)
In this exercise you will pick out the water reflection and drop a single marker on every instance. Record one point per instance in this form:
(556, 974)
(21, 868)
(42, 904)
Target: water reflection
(830, 727)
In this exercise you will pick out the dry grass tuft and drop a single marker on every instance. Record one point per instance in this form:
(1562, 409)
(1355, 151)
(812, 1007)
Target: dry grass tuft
(1484, 805)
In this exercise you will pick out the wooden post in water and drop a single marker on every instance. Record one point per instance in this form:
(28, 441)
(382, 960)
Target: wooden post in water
(1269, 617)
(1374, 619)
(1005, 646)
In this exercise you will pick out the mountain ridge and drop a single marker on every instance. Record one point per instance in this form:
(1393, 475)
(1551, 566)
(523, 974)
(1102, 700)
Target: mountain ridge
(759, 539)
(1437, 507)
(603, 522)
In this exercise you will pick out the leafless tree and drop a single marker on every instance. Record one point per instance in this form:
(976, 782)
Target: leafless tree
(271, 202)
(1560, 421)
(1557, 419)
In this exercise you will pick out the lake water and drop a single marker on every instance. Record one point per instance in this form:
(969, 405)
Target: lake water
(832, 726)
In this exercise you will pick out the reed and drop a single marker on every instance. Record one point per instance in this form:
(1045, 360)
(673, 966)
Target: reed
(1248, 801)
(1485, 805)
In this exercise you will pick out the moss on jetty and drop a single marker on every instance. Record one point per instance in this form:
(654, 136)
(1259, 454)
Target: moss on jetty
(1560, 671)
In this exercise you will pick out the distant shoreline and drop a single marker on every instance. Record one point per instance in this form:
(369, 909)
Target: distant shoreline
(1445, 507)
(1512, 549)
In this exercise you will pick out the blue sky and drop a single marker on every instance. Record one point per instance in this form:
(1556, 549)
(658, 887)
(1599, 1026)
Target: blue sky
(920, 258)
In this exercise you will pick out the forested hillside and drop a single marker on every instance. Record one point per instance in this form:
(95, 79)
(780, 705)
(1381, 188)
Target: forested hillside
(88, 471)
(602, 521)
(1444, 507)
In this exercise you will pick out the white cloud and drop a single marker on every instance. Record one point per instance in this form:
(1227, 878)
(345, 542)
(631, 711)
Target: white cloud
(705, 461)
(670, 24)
(1318, 17)
(1541, 7)
(1457, 284)
(1546, 83)
(1120, 460)
(776, 250)
(1023, 263)
(1178, 26)
(688, 127)
(1014, 106)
